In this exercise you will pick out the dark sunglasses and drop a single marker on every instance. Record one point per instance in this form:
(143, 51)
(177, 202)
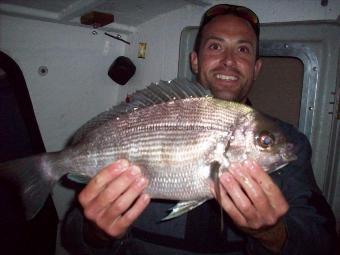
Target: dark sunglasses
(239, 11)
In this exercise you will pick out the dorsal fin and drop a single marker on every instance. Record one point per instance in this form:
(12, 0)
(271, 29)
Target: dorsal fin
(153, 94)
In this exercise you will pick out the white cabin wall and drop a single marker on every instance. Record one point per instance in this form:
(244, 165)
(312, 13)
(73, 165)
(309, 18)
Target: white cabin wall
(76, 86)
(162, 34)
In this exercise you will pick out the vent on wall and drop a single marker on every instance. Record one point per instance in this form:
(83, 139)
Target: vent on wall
(96, 19)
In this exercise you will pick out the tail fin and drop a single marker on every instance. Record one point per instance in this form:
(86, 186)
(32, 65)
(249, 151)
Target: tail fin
(30, 179)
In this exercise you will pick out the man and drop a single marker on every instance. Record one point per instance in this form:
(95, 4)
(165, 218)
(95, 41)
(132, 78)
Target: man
(284, 213)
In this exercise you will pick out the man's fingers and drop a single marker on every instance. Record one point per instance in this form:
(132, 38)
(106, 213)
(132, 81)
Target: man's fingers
(113, 199)
(99, 182)
(231, 196)
(124, 202)
(111, 192)
(237, 193)
(251, 198)
(253, 190)
(270, 189)
(122, 223)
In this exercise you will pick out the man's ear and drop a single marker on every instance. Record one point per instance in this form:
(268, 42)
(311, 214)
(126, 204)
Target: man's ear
(258, 66)
(194, 62)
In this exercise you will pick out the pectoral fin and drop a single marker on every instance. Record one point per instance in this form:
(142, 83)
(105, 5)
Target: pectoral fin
(183, 207)
(215, 172)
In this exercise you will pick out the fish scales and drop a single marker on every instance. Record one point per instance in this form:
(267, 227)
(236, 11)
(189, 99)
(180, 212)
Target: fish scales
(160, 131)
(166, 142)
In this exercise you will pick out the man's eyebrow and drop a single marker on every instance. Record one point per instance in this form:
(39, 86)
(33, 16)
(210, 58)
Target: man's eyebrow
(247, 42)
(217, 38)
(213, 37)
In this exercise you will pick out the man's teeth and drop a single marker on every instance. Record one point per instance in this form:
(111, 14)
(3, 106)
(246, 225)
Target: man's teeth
(226, 77)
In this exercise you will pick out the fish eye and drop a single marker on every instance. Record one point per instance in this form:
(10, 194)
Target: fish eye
(265, 139)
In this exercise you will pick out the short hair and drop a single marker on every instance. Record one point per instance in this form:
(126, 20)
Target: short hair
(227, 9)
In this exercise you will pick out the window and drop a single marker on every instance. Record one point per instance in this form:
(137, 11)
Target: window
(278, 89)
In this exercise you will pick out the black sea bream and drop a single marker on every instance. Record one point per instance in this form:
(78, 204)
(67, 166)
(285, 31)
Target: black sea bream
(180, 145)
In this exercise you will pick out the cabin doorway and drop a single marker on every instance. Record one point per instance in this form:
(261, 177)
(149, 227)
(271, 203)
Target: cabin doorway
(20, 137)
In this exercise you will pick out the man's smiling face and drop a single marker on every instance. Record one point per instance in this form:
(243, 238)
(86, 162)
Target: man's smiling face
(226, 62)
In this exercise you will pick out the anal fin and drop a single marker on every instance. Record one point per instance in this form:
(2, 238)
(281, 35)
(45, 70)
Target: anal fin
(79, 178)
(183, 207)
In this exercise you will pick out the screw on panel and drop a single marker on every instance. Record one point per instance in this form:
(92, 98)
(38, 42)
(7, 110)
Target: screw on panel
(43, 70)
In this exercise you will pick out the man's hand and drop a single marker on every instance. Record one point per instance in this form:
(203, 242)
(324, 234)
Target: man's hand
(255, 203)
(114, 198)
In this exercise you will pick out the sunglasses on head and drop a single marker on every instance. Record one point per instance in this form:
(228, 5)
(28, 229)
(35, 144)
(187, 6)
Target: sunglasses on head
(240, 11)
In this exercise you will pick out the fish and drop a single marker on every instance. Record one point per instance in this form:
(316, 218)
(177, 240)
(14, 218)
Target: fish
(180, 136)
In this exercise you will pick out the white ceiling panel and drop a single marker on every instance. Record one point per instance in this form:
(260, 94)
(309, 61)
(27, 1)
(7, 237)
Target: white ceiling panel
(52, 6)
(128, 14)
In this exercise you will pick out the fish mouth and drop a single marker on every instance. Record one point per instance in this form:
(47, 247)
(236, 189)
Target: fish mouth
(289, 152)
(278, 167)
(287, 155)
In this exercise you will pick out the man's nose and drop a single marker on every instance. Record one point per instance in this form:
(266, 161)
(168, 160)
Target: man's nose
(228, 58)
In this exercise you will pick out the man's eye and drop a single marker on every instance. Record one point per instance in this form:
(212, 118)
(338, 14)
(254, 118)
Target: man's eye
(214, 46)
(244, 49)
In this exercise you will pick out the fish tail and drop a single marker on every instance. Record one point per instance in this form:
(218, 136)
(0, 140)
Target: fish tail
(31, 179)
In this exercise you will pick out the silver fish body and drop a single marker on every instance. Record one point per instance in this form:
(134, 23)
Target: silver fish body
(180, 145)
(173, 143)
